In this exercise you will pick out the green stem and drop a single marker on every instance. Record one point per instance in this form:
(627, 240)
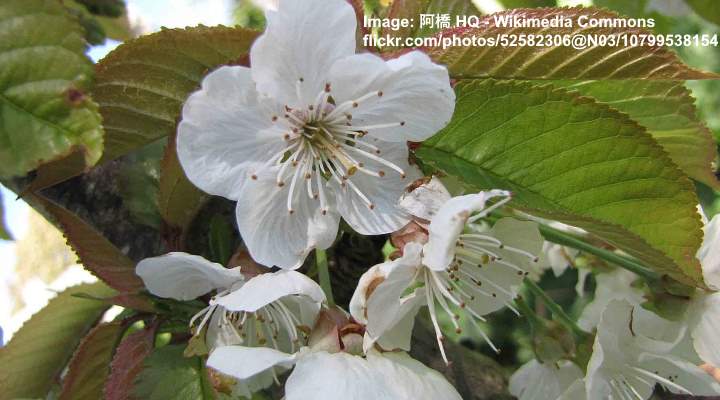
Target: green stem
(324, 275)
(555, 308)
(565, 239)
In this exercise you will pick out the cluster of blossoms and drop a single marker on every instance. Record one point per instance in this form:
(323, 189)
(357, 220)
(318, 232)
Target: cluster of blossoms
(313, 132)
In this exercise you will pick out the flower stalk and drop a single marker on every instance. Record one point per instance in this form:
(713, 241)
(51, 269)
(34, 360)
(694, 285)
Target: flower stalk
(555, 309)
(324, 275)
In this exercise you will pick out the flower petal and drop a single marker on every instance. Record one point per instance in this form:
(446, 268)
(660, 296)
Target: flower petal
(326, 376)
(382, 215)
(245, 362)
(385, 308)
(615, 285)
(183, 276)
(302, 41)
(410, 89)
(425, 201)
(709, 253)
(543, 381)
(706, 328)
(449, 223)
(225, 132)
(681, 373)
(273, 235)
(409, 378)
(267, 288)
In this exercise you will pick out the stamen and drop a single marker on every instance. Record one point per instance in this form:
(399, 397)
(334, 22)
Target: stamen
(662, 380)
(433, 318)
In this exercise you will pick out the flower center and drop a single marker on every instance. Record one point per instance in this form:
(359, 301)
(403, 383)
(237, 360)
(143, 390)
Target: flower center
(323, 145)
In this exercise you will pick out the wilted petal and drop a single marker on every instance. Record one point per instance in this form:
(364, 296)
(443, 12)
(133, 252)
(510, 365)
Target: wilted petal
(410, 94)
(183, 276)
(301, 42)
(245, 362)
(272, 234)
(425, 200)
(267, 288)
(225, 132)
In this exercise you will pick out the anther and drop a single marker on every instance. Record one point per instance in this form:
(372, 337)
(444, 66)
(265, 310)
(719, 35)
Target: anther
(355, 104)
(281, 184)
(253, 177)
(327, 88)
(381, 173)
(380, 93)
(274, 118)
(402, 123)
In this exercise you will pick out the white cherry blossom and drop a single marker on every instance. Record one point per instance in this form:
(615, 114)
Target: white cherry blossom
(464, 269)
(271, 309)
(312, 132)
(543, 381)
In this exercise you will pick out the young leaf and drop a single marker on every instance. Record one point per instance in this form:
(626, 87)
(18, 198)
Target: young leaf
(96, 253)
(44, 108)
(667, 110)
(90, 365)
(168, 375)
(128, 362)
(559, 62)
(570, 159)
(33, 360)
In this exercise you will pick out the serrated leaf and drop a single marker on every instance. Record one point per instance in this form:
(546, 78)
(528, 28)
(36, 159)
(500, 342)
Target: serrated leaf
(168, 375)
(45, 112)
(90, 365)
(667, 110)
(570, 159)
(128, 362)
(34, 358)
(97, 254)
(178, 199)
(559, 62)
(412, 9)
(142, 84)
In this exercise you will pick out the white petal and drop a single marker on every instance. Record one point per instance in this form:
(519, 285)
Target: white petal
(425, 201)
(302, 40)
(399, 335)
(264, 289)
(706, 328)
(538, 381)
(410, 379)
(384, 306)
(225, 132)
(415, 91)
(449, 223)
(245, 362)
(325, 376)
(615, 285)
(272, 234)
(709, 253)
(183, 276)
(576, 391)
(682, 373)
(383, 192)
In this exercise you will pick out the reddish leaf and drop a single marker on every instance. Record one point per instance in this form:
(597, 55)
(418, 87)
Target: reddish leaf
(128, 362)
(95, 252)
(89, 367)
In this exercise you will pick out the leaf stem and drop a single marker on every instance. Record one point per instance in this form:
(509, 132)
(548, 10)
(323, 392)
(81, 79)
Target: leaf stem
(555, 308)
(324, 275)
(566, 239)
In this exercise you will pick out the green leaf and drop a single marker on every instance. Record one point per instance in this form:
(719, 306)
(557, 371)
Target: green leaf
(4, 231)
(45, 112)
(138, 184)
(128, 362)
(37, 354)
(708, 9)
(96, 253)
(168, 375)
(667, 110)
(570, 159)
(178, 199)
(108, 8)
(142, 84)
(559, 62)
(90, 365)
